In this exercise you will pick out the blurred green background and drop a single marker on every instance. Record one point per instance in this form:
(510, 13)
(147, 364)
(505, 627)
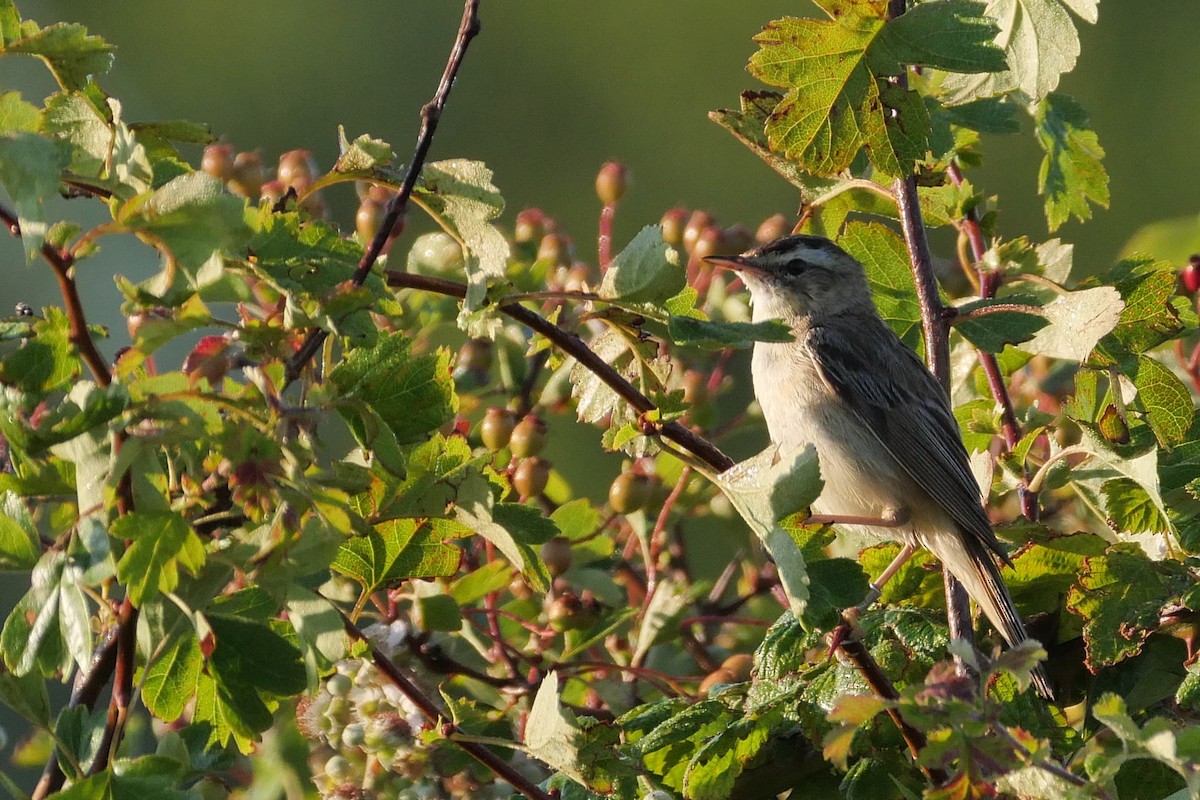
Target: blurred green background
(550, 90)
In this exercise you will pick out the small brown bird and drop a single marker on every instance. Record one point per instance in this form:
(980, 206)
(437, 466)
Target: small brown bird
(890, 450)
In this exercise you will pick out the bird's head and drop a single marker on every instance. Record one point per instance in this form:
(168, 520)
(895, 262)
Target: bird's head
(800, 276)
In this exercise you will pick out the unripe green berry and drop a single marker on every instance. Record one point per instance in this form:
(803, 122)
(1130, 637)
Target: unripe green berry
(555, 249)
(435, 253)
(367, 220)
(695, 226)
(772, 228)
(611, 182)
(339, 685)
(737, 239)
(528, 437)
(556, 554)
(296, 168)
(530, 226)
(531, 476)
(247, 178)
(673, 224)
(497, 427)
(476, 354)
(354, 734)
(629, 492)
(710, 242)
(338, 768)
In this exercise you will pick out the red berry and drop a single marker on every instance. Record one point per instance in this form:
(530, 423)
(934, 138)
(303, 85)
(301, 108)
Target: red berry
(1190, 275)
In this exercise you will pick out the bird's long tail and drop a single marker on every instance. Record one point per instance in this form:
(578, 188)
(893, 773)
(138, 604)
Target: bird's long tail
(975, 567)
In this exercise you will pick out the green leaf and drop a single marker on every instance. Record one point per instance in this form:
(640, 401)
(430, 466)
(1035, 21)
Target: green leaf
(362, 155)
(1076, 321)
(160, 543)
(835, 103)
(553, 735)
(748, 124)
(1119, 597)
(34, 635)
(764, 492)
(460, 196)
(1130, 509)
(717, 335)
(146, 778)
(47, 360)
(399, 549)
(885, 258)
(636, 360)
(1040, 44)
(169, 683)
(193, 217)
(477, 584)
(412, 394)
(511, 528)
(71, 53)
(820, 120)
(19, 545)
(646, 271)
(1148, 318)
(72, 118)
(952, 35)
(1168, 403)
(713, 771)
(250, 654)
(993, 332)
(1071, 174)
(30, 166)
(18, 116)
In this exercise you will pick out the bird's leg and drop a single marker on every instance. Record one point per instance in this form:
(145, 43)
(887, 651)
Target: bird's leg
(877, 585)
(891, 518)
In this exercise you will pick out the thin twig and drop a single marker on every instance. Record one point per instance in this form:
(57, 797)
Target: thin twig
(988, 284)
(571, 344)
(61, 263)
(436, 717)
(393, 217)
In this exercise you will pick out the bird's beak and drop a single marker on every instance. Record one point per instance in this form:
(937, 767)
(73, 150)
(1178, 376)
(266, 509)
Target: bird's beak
(737, 264)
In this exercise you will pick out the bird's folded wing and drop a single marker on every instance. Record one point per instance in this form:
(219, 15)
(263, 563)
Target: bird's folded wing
(903, 405)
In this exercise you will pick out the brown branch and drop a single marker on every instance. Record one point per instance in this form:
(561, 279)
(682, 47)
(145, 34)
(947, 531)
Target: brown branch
(397, 207)
(436, 717)
(61, 262)
(857, 652)
(571, 344)
(989, 282)
(86, 692)
(124, 638)
(122, 691)
(936, 330)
